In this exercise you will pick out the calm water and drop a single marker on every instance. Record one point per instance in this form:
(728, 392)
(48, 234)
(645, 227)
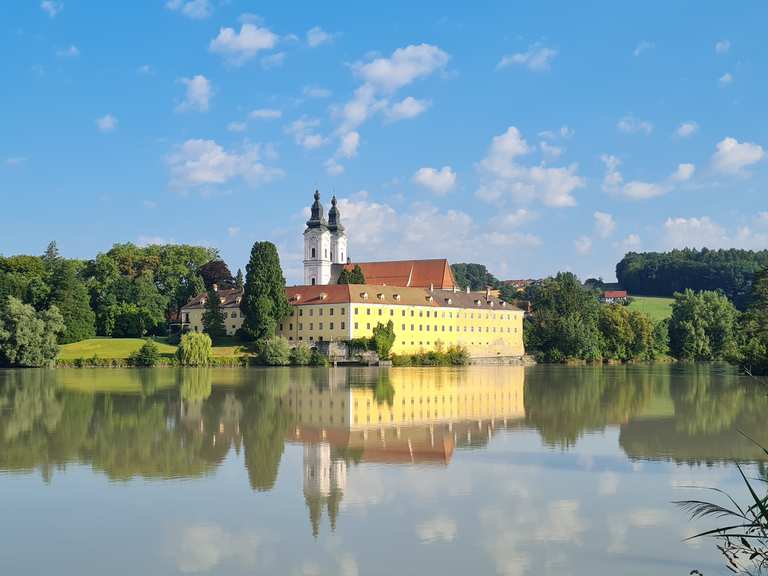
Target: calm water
(544, 470)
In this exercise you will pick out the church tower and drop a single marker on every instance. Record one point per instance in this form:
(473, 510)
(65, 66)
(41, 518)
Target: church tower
(338, 236)
(317, 246)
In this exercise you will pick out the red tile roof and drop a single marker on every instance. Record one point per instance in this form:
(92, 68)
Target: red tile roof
(412, 273)
(615, 294)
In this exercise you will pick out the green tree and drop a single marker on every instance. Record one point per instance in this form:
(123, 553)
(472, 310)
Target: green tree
(28, 337)
(194, 349)
(300, 355)
(148, 355)
(702, 326)
(753, 329)
(264, 303)
(474, 276)
(383, 338)
(213, 317)
(274, 351)
(354, 276)
(239, 279)
(128, 321)
(71, 297)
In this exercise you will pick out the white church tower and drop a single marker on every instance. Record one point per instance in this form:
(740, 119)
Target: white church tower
(325, 243)
(317, 246)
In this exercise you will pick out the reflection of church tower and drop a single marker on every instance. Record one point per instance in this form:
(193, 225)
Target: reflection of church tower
(325, 479)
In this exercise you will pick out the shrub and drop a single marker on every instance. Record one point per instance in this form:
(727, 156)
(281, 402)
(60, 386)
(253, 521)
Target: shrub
(274, 351)
(453, 356)
(317, 359)
(383, 338)
(457, 356)
(147, 355)
(194, 349)
(300, 355)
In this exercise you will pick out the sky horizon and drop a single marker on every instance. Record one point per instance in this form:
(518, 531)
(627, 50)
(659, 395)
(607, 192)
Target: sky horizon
(529, 138)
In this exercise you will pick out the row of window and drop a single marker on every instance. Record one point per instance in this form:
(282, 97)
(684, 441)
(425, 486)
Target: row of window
(320, 325)
(427, 327)
(311, 312)
(434, 314)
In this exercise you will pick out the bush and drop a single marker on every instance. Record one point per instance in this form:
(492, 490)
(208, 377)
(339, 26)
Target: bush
(383, 338)
(300, 355)
(194, 349)
(274, 351)
(148, 355)
(453, 356)
(317, 359)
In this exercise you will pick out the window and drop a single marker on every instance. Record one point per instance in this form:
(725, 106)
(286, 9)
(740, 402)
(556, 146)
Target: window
(343, 311)
(403, 327)
(313, 255)
(313, 281)
(411, 327)
(290, 326)
(311, 326)
(343, 325)
(403, 312)
(355, 325)
(301, 326)
(281, 327)
(381, 311)
(301, 312)
(427, 313)
(320, 312)
(331, 326)
(330, 311)
(368, 326)
(357, 310)
(233, 315)
(420, 327)
(427, 327)
(311, 338)
(421, 313)
(391, 311)
(311, 312)
(320, 326)
(368, 311)
(411, 313)
(301, 338)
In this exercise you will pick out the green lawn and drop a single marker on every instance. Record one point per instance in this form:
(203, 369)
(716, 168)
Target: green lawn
(656, 308)
(124, 347)
(107, 348)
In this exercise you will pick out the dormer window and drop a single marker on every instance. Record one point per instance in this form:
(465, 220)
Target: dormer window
(238, 299)
(380, 295)
(503, 303)
(490, 303)
(430, 299)
(221, 300)
(296, 297)
(449, 300)
(203, 301)
(478, 302)
(364, 295)
(323, 295)
(396, 297)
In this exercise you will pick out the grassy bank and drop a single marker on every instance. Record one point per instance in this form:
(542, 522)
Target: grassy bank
(656, 308)
(122, 348)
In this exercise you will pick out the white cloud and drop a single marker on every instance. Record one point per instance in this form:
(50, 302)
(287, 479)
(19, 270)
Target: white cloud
(732, 156)
(583, 245)
(316, 92)
(403, 67)
(722, 46)
(604, 224)
(237, 126)
(199, 163)
(639, 190)
(203, 547)
(233, 231)
(683, 173)
(407, 108)
(512, 219)
(239, 47)
(608, 484)
(265, 114)
(632, 125)
(549, 150)
(349, 145)
(273, 60)
(642, 47)
(694, 233)
(687, 129)
(502, 175)
(70, 51)
(317, 37)
(438, 529)
(564, 133)
(195, 9)
(106, 123)
(303, 131)
(198, 96)
(333, 168)
(51, 7)
(537, 58)
(631, 243)
(439, 182)
(726, 79)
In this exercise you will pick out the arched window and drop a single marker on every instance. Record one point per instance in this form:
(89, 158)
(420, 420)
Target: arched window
(313, 281)
(313, 254)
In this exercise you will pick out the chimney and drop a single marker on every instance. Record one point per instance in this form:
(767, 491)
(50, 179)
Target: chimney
(215, 287)
(431, 287)
(467, 289)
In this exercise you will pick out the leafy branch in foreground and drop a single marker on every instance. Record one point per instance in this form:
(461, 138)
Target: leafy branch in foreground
(744, 541)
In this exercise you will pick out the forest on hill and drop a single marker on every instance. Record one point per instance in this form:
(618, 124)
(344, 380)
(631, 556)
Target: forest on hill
(664, 273)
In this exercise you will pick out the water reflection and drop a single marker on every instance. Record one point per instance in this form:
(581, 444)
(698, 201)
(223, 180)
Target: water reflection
(169, 424)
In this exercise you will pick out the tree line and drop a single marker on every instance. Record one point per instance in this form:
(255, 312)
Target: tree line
(664, 273)
(569, 323)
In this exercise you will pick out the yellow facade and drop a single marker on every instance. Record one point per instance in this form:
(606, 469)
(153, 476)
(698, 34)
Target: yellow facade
(193, 319)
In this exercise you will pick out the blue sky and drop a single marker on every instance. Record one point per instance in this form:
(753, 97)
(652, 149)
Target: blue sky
(532, 137)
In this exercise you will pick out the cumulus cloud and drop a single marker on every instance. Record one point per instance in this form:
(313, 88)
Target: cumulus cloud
(642, 47)
(504, 176)
(51, 7)
(303, 131)
(632, 125)
(203, 547)
(195, 9)
(237, 126)
(512, 219)
(333, 168)
(317, 37)
(407, 108)
(613, 180)
(631, 243)
(583, 245)
(722, 46)
(732, 156)
(439, 181)
(198, 96)
(537, 58)
(199, 163)
(725, 79)
(316, 92)
(687, 129)
(403, 67)
(239, 47)
(70, 51)
(694, 233)
(106, 123)
(563, 133)
(349, 145)
(273, 60)
(549, 150)
(265, 114)
(604, 224)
